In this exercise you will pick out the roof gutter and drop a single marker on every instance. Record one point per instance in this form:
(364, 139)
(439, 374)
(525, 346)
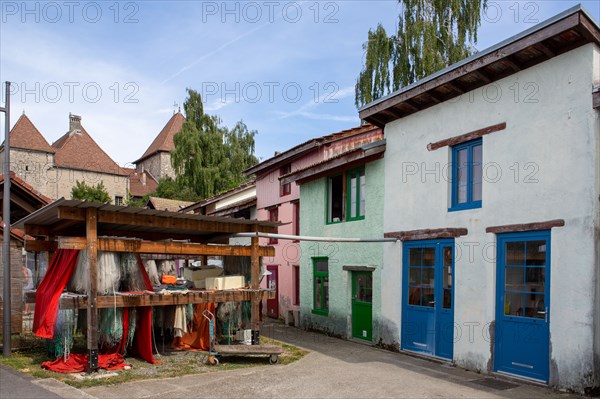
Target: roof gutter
(309, 238)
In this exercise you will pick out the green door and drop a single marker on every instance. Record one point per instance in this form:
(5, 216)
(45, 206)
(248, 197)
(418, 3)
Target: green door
(362, 305)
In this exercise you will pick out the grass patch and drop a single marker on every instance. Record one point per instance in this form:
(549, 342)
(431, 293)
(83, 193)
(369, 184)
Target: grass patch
(29, 352)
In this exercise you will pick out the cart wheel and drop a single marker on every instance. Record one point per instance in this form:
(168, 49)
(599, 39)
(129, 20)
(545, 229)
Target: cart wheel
(213, 360)
(273, 359)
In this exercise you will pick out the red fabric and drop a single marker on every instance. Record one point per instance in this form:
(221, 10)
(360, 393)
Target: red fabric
(77, 363)
(48, 293)
(142, 340)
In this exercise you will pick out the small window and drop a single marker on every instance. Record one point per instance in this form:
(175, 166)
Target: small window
(285, 189)
(296, 221)
(273, 217)
(321, 286)
(467, 167)
(346, 196)
(335, 196)
(118, 200)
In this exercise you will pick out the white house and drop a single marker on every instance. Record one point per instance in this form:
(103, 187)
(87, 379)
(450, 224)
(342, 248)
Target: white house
(492, 185)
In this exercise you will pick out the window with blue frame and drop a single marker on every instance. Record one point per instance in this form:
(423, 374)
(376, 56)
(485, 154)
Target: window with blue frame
(467, 171)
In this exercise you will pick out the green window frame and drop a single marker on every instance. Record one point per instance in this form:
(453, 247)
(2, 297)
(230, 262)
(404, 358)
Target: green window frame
(321, 285)
(355, 194)
(345, 196)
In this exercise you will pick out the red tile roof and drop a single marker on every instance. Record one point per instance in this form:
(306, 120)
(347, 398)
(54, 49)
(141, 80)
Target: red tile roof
(78, 150)
(27, 187)
(137, 188)
(26, 136)
(164, 141)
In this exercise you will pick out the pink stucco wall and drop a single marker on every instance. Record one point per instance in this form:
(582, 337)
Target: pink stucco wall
(287, 253)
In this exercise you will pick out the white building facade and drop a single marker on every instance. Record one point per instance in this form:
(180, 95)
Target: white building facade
(492, 185)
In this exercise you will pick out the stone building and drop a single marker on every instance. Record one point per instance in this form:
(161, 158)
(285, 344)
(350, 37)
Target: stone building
(54, 169)
(156, 161)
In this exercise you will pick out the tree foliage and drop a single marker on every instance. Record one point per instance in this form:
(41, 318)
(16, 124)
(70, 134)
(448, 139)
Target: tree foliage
(97, 193)
(431, 35)
(209, 158)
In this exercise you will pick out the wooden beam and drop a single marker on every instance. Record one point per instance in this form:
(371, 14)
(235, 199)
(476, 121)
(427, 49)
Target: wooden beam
(433, 97)
(40, 246)
(535, 226)
(548, 52)
(155, 299)
(482, 75)
(427, 234)
(37, 231)
(92, 288)
(160, 222)
(510, 61)
(466, 137)
(164, 247)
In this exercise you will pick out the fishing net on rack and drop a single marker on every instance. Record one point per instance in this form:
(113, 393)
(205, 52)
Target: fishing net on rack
(132, 278)
(109, 273)
(152, 271)
(64, 330)
(228, 316)
(110, 327)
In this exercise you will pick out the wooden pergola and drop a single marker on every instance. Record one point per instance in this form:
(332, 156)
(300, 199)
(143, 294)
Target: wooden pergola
(73, 224)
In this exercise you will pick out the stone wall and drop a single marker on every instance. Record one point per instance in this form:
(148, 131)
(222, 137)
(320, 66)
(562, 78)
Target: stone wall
(35, 167)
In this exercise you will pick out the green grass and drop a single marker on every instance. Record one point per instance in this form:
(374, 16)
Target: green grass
(30, 352)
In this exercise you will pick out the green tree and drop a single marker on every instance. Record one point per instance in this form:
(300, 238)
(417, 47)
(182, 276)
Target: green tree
(97, 193)
(209, 158)
(431, 35)
(239, 147)
(170, 188)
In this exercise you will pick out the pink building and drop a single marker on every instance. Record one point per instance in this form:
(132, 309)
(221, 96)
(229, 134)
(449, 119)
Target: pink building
(281, 202)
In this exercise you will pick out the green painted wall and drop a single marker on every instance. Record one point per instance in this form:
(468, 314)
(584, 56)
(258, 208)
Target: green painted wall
(312, 223)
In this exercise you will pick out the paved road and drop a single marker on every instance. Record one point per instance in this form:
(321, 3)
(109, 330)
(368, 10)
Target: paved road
(333, 369)
(20, 386)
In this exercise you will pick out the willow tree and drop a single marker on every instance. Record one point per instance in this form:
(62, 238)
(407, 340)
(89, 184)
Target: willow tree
(431, 35)
(208, 158)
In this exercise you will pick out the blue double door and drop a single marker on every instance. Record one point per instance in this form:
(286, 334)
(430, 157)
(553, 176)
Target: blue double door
(522, 345)
(428, 297)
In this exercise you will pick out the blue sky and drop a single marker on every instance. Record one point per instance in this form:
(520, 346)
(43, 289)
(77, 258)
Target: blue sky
(287, 69)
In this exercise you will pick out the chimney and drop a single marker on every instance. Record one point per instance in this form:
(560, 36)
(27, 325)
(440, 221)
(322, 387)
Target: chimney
(74, 123)
(143, 178)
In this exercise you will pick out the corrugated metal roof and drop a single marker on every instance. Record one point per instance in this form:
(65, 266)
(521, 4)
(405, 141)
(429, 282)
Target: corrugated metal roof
(48, 215)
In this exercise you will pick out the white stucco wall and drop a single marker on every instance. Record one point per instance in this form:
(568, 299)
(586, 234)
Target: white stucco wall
(541, 167)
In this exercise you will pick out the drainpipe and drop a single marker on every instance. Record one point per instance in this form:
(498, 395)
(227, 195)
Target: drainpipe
(309, 238)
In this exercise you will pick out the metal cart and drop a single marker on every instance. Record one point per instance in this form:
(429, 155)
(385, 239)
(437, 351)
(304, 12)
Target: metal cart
(215, 351)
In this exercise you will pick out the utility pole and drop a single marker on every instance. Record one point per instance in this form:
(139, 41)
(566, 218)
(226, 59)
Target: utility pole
(6, 330)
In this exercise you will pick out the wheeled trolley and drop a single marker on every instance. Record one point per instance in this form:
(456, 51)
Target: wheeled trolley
(215, 351)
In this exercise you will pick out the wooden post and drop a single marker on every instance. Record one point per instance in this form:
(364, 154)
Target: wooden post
(91, 233)
(255, 275)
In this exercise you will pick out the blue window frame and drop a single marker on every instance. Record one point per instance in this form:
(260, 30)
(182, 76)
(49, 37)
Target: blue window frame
(467, 171)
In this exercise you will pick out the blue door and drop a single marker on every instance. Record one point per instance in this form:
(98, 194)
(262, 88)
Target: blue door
(523, 304)
(428, 296)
